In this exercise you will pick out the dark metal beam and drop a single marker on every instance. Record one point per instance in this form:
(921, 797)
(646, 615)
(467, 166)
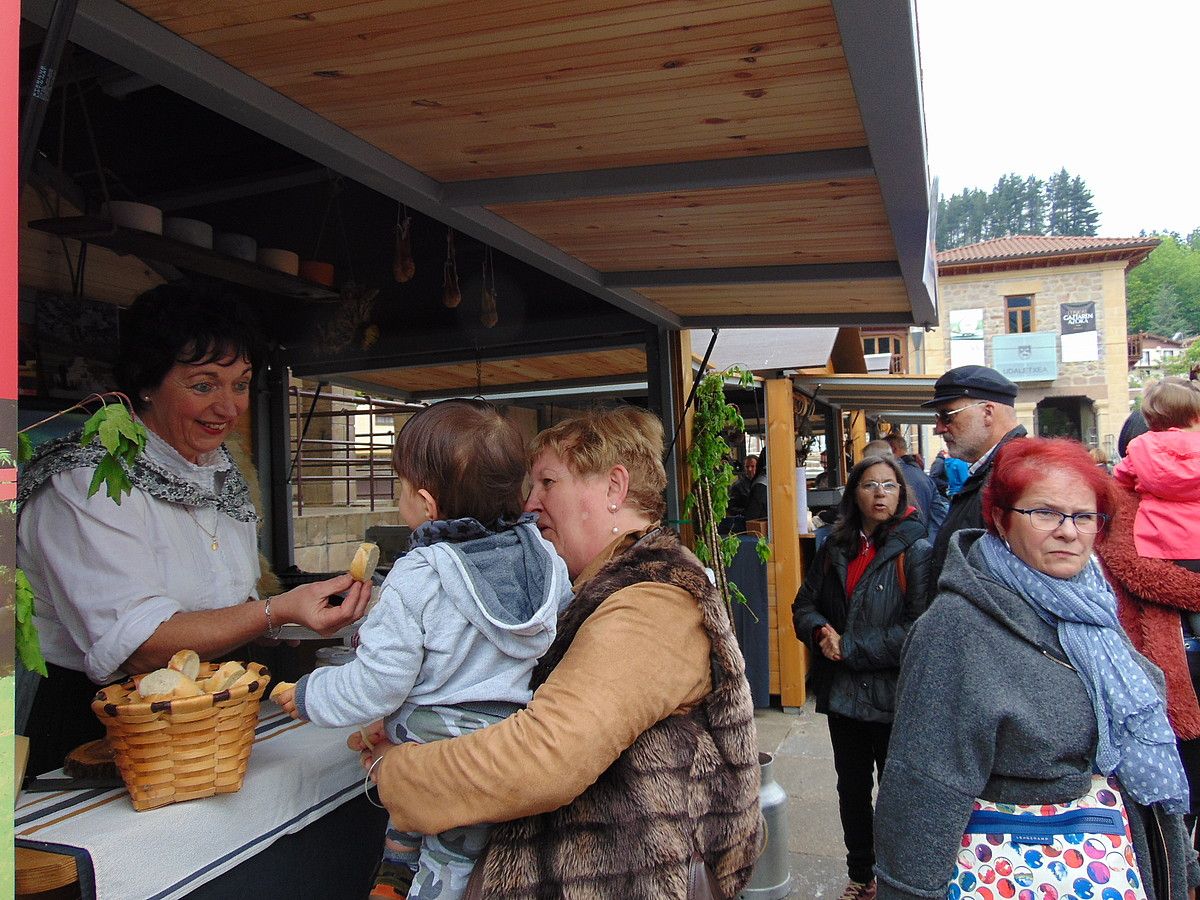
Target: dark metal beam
(58, 27)
(236, 189)
(272, 449)
(799, 320)
(888, 87)
(445, 349)
(655, 278)
(123, 35)
(708, 174)
(622, 385)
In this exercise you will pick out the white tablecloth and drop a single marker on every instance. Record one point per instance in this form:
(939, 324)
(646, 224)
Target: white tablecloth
(297, 773)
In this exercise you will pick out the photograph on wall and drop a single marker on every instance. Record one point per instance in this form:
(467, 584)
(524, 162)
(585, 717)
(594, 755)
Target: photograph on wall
(76, 346)
(1080, 340)
(966, 337)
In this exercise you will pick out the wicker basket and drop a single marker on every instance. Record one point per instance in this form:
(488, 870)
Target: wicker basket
(174, 750)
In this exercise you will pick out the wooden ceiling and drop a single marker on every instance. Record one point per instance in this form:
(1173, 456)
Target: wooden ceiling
(696, 162)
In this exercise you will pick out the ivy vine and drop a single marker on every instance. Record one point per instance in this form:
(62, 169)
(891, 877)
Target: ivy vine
(708, 458)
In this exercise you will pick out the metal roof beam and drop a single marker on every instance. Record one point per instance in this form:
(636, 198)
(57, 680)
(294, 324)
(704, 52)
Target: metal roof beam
(141, 45)
(610, 385)
(656, 278)
(237, 188)
(888, 87)
(846, 319)
(699, 175)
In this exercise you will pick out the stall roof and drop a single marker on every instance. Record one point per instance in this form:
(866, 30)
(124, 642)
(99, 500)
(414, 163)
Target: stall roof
(896, 398)
(700, 164)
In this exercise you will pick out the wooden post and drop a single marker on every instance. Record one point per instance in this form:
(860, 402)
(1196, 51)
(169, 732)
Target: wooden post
(682, 378)
(785, 541)
(858, 433)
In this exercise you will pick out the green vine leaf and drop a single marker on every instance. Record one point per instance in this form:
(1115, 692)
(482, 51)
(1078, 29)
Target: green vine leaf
(24, 448)
(123, 439)
(29, 648)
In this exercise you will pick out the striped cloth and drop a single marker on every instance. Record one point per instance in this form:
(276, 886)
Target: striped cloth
(297, 773)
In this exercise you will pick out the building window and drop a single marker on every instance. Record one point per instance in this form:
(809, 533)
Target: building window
(881, 345)
(1019, 311)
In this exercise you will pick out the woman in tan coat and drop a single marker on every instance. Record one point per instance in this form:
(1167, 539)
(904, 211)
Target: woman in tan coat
(637, 754)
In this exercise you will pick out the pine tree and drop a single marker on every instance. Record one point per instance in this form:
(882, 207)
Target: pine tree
(1058, 190)
(1033, 216)
(1082, 214)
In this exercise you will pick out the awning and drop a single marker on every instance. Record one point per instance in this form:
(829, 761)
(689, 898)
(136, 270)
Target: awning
(699, 164)
(894, 398)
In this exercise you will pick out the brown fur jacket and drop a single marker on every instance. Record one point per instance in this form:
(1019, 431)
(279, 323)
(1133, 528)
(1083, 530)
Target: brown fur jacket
(1150, 595)
(689, 782)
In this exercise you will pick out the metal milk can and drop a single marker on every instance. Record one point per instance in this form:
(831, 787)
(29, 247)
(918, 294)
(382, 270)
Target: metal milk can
(772, 877)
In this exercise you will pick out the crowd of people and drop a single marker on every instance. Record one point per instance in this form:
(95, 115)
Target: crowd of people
(1005, 654)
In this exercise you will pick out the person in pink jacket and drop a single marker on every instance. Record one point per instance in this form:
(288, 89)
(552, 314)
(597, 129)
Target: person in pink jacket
(1163, 466)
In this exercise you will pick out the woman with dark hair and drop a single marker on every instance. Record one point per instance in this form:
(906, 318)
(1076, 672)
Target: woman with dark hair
(1031, 751)
(865, 588)
(120, 588)
(756, 506)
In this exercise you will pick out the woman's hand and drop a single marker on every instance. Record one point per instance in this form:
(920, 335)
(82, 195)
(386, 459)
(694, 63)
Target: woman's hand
(308, 604)
(830, 643)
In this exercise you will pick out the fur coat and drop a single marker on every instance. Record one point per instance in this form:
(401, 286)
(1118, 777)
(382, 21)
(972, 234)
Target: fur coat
(689, 783)
(1150, 595)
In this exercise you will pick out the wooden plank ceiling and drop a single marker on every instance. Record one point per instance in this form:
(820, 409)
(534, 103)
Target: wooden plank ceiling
(494, 99)
(489, 375)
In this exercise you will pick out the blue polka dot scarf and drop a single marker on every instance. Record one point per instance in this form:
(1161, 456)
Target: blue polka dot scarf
(1136, 741)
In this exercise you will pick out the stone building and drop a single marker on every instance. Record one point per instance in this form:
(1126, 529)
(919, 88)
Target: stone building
(1048, 312)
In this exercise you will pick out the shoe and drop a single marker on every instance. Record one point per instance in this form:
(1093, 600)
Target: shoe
(392, 881)
(856, 890)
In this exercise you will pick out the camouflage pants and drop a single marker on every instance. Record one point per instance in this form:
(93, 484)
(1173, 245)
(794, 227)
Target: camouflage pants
(442, 862)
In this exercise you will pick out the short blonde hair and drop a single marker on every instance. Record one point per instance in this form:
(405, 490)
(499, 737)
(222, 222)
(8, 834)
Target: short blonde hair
(599, 439)
(1171, 403)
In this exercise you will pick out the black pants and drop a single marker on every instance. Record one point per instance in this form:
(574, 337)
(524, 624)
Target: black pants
(859, 752)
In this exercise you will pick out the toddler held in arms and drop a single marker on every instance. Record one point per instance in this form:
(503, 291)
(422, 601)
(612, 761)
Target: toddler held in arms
(461, 621)
(1163, 466)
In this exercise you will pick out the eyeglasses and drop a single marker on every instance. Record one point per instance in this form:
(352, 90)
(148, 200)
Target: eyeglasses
(1052, 519)
(944, 417)
(888, 487)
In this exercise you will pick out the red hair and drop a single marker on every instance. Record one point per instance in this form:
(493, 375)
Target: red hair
(1020, 463)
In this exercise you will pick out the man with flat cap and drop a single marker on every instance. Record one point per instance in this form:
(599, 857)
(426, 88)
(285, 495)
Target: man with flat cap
(975, 416)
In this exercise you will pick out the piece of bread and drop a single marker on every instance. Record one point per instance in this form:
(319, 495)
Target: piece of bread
(366, 560)
(166, 681)
(225, 676)
(280, 687)
(247, 677)
(187, 662)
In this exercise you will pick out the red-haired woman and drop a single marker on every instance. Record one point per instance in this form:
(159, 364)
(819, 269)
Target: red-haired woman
(1031, 751)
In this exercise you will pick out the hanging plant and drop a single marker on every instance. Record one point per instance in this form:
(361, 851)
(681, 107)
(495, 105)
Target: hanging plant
(489, 315)
(123, 439)
(713, 476)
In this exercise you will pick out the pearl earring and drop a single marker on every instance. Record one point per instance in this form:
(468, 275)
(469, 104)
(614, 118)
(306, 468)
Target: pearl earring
(612, 507)
(616, 530)
(145, 398)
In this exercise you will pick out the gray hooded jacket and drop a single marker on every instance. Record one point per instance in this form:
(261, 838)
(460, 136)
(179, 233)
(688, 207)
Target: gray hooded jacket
(990, 707)
(456, 623)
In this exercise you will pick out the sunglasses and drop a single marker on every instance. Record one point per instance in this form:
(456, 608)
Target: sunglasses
(944, 417)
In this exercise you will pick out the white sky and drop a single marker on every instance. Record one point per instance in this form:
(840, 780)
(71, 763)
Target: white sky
(1107, 89)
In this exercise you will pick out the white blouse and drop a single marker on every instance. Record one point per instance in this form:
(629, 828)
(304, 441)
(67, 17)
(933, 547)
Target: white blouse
(106, 576)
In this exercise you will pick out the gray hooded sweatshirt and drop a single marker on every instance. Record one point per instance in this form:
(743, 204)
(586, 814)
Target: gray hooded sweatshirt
(988, 706)
(456, 623)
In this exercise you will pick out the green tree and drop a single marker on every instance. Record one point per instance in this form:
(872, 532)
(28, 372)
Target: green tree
(1059, 205)
(1033, 214)
(1171, 275)
(1081, 214)
(1058, 201)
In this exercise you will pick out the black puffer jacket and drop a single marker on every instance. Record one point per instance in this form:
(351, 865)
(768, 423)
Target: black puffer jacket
(873, 622)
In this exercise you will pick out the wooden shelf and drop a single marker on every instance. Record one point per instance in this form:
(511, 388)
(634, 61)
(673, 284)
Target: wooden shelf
(130, 241)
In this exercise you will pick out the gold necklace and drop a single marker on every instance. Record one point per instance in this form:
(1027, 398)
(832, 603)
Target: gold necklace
(211, 534)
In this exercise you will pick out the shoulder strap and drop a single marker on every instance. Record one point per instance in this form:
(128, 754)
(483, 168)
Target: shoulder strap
(901, 574)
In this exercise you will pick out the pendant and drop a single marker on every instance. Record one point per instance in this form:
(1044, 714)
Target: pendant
(215, 544)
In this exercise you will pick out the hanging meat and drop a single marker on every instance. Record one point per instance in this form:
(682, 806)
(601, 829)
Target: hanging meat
(403, 266)
(451, 295)
(489, 315)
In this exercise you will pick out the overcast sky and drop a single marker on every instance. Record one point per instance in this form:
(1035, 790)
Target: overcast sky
(1107, 89)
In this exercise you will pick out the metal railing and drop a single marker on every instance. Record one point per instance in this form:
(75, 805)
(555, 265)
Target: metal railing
(360, 462)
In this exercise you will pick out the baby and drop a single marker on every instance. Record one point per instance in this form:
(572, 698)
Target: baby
(1163, 466)
(461, 621)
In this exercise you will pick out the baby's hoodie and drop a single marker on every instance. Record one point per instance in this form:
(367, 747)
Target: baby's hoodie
(455, 623)
(1164, 468)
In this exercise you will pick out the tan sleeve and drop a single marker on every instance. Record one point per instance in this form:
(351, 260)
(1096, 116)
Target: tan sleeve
(640, 657)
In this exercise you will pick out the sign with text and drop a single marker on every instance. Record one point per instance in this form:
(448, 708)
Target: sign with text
(1079, 336)
(966, 337)
(1032, 356)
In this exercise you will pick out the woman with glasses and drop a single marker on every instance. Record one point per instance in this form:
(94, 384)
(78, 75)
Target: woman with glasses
(865, 588)
(1031, 753)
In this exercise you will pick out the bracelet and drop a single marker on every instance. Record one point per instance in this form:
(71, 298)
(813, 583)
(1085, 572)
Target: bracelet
(272, 631)
(368, 783)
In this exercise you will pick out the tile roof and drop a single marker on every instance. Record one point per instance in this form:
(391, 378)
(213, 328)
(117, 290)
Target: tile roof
(1023, 246)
